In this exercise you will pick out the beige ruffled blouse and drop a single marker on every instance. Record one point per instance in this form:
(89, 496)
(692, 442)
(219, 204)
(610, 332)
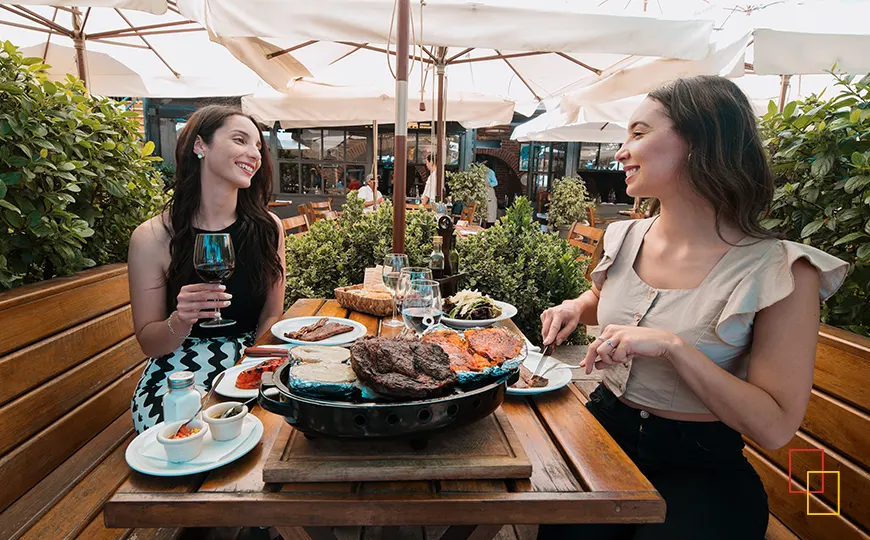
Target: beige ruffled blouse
(716, 317)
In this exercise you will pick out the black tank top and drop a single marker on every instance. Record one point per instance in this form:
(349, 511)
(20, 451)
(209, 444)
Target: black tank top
(245, 307)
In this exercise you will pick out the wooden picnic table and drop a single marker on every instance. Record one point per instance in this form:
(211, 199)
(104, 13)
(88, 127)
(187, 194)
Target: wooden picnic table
(579, 475)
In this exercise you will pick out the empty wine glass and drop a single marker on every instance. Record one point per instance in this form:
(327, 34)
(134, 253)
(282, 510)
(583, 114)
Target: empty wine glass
(214, 260)
(421, 306)
(393, 264)
(406, 276)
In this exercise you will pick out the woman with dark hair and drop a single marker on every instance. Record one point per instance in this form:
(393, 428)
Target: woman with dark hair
(708, 321)
(430, 194)
(222, 184)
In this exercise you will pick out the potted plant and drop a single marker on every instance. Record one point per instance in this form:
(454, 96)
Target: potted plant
(569, 202)
(469, 187)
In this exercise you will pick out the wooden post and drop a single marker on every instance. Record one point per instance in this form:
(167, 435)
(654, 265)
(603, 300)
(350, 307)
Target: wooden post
(441, 133)
(783, 91)
(375, 151)
(79, 44)
(400, 171)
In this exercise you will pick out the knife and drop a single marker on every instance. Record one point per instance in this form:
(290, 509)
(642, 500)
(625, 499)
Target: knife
(258, 352)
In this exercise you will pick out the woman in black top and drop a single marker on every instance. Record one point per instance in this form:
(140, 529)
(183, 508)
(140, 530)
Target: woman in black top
(222, 184)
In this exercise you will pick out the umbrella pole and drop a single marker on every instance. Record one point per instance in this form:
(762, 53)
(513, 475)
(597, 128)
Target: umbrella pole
(400, 170)
(783, 91)
(439, 148)
(375, 159)
(79, 44)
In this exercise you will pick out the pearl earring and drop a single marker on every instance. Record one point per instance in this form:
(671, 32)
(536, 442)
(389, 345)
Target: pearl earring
(199, 155)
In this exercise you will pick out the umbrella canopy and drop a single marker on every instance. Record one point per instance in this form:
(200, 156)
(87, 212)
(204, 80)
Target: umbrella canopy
(308, 104)
(157, 7)
(129, 53)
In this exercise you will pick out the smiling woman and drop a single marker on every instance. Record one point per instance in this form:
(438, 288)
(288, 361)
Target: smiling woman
(222, 185)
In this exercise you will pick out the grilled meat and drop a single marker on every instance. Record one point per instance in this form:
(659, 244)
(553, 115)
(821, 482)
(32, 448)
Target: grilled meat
(494, 343)
(298, 334)
(319, 331)
(402, 368)
(462, 357)
(530, 380)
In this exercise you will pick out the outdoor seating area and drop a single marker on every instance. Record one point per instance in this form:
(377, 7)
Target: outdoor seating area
(401, 270)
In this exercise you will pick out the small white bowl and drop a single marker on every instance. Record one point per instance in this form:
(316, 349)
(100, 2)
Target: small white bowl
(224, 429)
(181, 450)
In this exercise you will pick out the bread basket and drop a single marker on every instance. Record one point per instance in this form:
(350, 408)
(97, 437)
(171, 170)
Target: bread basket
(380, 306)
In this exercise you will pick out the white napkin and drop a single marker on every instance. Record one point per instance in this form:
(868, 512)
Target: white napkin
(532, 348)
(212, 450)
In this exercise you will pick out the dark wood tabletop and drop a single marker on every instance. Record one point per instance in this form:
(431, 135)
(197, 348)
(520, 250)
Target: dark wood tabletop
(579, 475)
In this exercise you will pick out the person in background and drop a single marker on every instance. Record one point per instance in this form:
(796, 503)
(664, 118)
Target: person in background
(354, 183)
(709, 321)
(429, 192)
(367, 194)
(222, 185)
(491, 200)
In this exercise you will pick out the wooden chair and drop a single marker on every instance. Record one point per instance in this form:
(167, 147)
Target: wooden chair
(303, 211)
(588, 239)
(296, 225)
(467, 213)
(320, 210)
(69, 363)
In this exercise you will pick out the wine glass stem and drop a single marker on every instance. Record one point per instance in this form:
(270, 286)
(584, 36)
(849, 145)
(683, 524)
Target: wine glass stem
(217, 313)
(395, 317)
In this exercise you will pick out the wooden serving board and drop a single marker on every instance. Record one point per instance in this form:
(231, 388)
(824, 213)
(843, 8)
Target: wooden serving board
(487, 449)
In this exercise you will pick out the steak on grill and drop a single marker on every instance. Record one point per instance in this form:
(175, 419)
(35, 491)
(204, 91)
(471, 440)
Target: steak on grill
(402, 368)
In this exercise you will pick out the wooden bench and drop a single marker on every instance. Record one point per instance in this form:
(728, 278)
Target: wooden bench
(588, 239)
(69, 363)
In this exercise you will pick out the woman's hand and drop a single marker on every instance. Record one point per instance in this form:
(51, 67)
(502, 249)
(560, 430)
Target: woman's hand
(199, 300)
(620, 344)
(558, 322)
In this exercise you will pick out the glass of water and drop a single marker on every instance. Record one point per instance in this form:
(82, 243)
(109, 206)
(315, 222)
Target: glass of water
(421, 305)
(393, 264)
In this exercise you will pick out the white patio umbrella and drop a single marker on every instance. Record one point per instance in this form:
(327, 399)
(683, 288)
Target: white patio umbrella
(157, 7)
(788, 37)
(130, 53)
(556, 126)
(308, 104)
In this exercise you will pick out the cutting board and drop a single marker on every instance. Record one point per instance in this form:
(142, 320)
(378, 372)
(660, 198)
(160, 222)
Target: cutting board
(487, 449)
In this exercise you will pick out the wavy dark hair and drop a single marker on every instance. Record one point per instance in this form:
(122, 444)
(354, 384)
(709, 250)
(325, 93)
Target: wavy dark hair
(727, 164)
(257, 227)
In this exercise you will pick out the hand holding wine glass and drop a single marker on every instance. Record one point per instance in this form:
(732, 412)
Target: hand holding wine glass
(393, 264)
(214, 259)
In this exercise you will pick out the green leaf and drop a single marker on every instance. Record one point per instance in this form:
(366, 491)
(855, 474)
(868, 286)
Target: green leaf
(855, 116)
(856, 183)
(73, 188)
(864, 252)
(849, 238)
(2, 190)
(867, 227)
(812, 228)
(148, 149)
(822, 165)
(9, 206)
(13, 219)
(67, 166)
(10, 177)
(788, 110)
(772, 108)
(858, 159)
(108, 145)
(49, 87)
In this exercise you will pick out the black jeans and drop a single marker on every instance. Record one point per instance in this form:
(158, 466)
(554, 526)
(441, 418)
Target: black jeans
(711, 490)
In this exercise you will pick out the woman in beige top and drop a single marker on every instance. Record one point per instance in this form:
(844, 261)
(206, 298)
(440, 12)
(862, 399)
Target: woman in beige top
(708, 321)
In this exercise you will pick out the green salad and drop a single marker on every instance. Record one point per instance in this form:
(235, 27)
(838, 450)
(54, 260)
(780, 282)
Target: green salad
(470, 306)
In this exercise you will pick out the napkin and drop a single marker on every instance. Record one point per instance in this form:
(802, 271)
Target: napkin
(532, 348)
(212, 450)
(374, 280)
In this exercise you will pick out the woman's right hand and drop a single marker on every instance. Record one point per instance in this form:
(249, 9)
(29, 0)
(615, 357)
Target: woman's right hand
(199, 300)
(558, 322)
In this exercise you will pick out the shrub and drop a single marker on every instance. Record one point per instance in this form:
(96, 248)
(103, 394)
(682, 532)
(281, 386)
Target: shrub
(74, 178)
(569, 201)
(515, 262)
(470, 186)
(820, 151)
(336, 252)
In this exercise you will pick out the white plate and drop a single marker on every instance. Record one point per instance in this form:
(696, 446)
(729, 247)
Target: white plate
(154, 467)
(292, 325)
(227, 386)
(556, 379)
(507, 312)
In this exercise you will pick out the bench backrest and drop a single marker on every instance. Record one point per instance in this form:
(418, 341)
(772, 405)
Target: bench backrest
(588, 239)
(467, 213)
(69, 364)
(837, 423)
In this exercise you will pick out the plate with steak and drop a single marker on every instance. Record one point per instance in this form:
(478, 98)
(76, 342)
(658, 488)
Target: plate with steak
(325, 331)
(529, 385)
(243, 381)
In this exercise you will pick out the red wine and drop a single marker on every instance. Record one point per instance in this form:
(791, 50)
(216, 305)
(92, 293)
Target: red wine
(214, 273)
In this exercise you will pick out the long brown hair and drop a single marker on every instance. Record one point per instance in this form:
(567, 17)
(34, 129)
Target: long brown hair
(727, 163)
(257, 227)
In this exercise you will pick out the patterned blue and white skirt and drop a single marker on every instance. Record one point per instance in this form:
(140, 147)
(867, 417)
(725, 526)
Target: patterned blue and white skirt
(205, 357)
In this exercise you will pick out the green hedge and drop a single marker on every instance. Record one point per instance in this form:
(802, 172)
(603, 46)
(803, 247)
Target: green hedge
(75, 179)
(820, 151)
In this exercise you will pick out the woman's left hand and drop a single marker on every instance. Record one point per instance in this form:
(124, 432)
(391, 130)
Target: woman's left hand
(620, 344)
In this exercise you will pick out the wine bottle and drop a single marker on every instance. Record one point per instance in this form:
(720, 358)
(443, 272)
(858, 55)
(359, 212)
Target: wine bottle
(436, 258)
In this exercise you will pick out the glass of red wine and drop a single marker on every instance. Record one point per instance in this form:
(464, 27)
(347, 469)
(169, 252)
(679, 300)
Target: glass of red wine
(215, 260)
